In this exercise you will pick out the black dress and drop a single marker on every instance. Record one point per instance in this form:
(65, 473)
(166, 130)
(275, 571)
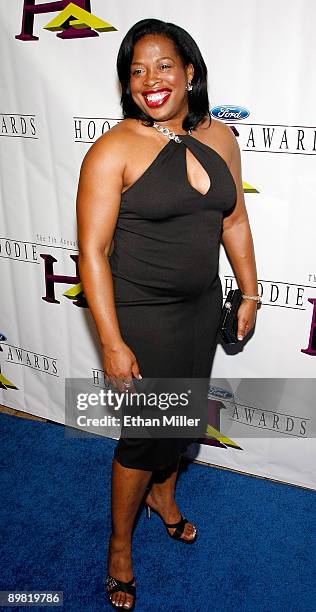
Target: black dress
(164, 264)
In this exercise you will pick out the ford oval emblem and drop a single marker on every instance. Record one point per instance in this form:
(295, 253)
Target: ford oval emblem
(219, 393)
(228, 112)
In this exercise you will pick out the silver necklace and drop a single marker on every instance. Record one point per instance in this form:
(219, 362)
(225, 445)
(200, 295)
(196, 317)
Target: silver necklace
(171, 135)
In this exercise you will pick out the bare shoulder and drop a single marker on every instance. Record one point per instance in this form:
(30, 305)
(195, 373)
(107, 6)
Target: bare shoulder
(221, 137)
(112, 148)
(223, 130)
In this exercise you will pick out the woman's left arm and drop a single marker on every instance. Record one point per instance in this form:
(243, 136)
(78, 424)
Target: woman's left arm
(238, 244)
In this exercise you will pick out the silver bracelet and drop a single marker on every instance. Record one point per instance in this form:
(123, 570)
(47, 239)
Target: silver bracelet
(255, 298)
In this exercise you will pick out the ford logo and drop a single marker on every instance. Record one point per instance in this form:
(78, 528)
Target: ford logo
(229, 112)
(2, 338)
(219, 393)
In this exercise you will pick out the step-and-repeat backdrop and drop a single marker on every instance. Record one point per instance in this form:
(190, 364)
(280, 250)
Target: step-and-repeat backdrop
(59, 93)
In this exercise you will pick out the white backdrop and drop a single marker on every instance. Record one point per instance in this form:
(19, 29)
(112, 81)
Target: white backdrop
(57, 96)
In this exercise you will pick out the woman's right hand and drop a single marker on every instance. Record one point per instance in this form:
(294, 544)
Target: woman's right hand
(120, 365)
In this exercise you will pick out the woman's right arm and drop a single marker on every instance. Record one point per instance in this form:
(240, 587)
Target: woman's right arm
(98, 203)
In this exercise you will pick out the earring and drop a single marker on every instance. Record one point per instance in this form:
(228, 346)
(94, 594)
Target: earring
(189, 86)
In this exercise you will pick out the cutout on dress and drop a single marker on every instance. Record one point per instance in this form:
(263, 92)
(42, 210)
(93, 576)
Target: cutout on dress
(197, 176)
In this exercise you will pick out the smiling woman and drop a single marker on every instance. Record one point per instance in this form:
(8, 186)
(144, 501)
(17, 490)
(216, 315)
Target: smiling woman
(155, 67)
(162, 52)
(165, 183)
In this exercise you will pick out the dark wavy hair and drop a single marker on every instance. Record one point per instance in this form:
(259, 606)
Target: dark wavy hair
(188, 51)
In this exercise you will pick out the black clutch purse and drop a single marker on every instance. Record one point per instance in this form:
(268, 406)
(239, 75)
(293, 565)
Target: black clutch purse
(229, 322)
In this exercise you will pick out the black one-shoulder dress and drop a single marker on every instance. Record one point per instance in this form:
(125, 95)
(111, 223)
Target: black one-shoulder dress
(164, 265)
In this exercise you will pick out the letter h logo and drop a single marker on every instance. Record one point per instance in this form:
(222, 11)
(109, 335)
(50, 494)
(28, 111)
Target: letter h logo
(311, 349)
(74, 21)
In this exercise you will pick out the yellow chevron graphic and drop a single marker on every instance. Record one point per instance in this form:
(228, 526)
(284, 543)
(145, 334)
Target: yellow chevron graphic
(81, 19)
(211, 432)
(248, 188)
(6, 383)
(73, 292)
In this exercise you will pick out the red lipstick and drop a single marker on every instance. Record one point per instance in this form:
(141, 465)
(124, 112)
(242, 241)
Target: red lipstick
(156, 97)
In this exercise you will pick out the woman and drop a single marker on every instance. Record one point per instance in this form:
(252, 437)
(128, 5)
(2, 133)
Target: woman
(157, 298)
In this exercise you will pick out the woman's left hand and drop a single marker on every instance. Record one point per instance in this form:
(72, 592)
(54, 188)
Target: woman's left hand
(246, 317)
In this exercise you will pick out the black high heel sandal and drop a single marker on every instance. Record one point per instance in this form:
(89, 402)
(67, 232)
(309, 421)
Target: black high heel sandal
(113, 585)
(179, 527)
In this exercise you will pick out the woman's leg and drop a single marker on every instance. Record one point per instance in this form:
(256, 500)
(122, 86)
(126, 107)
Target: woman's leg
(128, 487)
(161, 498)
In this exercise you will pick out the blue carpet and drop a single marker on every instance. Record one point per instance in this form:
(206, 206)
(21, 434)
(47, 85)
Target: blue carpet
(256, 546)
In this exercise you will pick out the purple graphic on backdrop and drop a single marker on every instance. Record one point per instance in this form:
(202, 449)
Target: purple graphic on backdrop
(30, 9)
(51, 279)
(311, 349)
